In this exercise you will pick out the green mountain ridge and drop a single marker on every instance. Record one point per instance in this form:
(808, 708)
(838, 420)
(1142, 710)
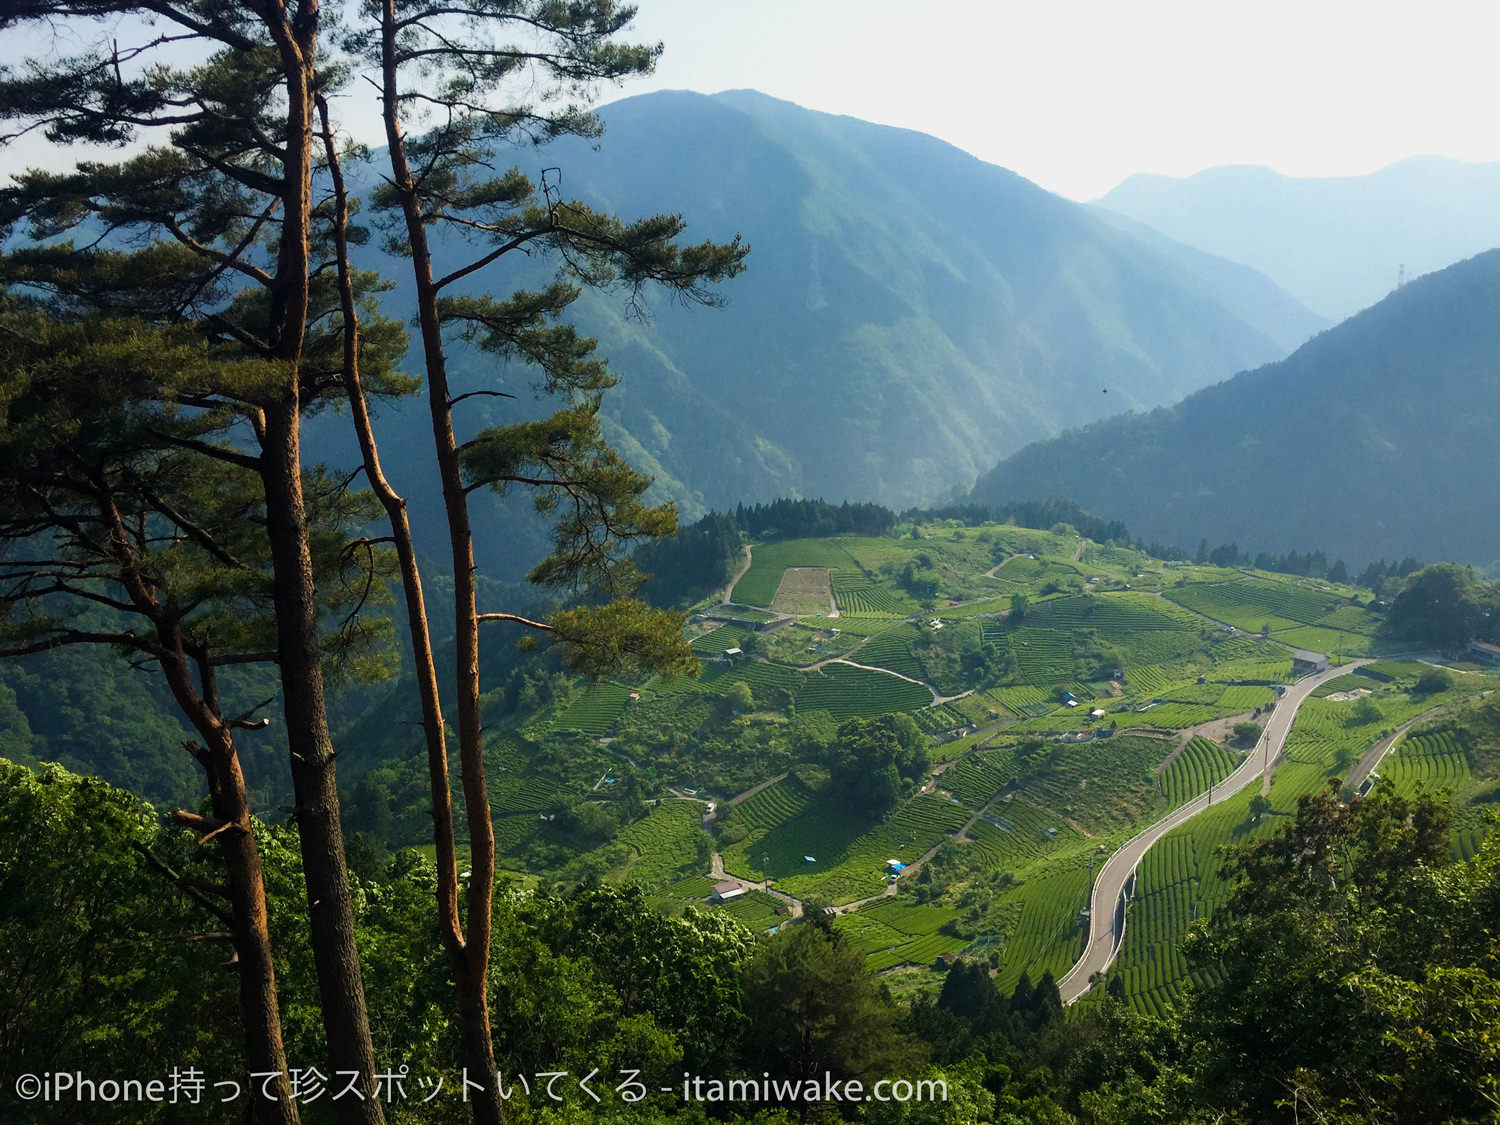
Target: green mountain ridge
(1370, 441)
(909, 314)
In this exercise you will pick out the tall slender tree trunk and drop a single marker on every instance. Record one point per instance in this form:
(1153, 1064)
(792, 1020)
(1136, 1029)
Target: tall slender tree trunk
(265, 1052)
(469, 957)
(341, 991)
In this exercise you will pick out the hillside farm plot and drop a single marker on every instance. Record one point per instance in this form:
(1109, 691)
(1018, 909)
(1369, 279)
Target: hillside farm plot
(1437, 760)
(717, 640)
(1251, 603)
(1338, 645)
(848, 853)
(979, 778)
(1104, 784)
(893, 649)
(1238, 699)
(755, 910)
(1046, 936)
(667, 844)
(768, 561)
(858, 596)
(846, 692)
(593, 710)
(1024, 701)
(773, 806)
(804, 591)
(918, 928)
(1202, 762)
(1013, 834)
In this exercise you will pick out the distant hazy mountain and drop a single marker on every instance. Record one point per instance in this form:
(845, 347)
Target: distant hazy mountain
(1338, 244)
(909, 313)
(1377, 438)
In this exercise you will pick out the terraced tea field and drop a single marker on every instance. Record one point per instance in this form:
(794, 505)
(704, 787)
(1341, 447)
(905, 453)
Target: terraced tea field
(1103, 784)
(979, 778)
(1437, 760)
(857, 596)
(1046, 937)
(1014, 834)
(1251, 603)
(848, 852)
(667, 844)
(1201, 763)
(893, 649)
(847, 692)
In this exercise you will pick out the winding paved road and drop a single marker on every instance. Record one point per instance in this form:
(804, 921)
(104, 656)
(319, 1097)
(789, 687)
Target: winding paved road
(1117, 870)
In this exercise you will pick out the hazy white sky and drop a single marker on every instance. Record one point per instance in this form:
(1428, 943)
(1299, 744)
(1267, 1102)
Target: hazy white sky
(1079, 94)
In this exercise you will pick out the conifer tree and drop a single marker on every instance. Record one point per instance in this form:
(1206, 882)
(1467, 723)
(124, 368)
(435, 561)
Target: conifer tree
(212, 226)
(459, 59)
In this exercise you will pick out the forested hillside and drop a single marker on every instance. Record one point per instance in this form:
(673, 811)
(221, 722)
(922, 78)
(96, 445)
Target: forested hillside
(1371, 441)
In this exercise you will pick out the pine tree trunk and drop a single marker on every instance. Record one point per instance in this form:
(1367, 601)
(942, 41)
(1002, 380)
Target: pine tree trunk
(264, 1050)
(469, 959)
(341, 991)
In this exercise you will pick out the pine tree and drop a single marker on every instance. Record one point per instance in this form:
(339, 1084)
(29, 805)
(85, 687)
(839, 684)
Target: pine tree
(212, 228)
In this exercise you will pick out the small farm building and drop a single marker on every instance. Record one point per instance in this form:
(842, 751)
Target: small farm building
(726, 891)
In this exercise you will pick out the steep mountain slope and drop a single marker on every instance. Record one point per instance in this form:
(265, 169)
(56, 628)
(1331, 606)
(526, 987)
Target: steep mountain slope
(1376, 438)
(909, 313)
(1336, 244)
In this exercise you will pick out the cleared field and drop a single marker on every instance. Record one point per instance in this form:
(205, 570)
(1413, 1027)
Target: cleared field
(769, 561)
(804, 590)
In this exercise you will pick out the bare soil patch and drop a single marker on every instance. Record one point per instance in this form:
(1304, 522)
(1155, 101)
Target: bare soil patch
(804, 590)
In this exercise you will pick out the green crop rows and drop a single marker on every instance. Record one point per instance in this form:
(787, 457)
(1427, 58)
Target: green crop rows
(1238, 699)
(847, 692)
(1249, 603)
(848, 853)
(1106, 783)
(1201, 763)
(893, 649)
(1013, 834)
(1324, 742)
(1436, 759)
(666, 842)
(773, 805)
(1047, 936)
(594, 710)
(859, 597)
(979, 778)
